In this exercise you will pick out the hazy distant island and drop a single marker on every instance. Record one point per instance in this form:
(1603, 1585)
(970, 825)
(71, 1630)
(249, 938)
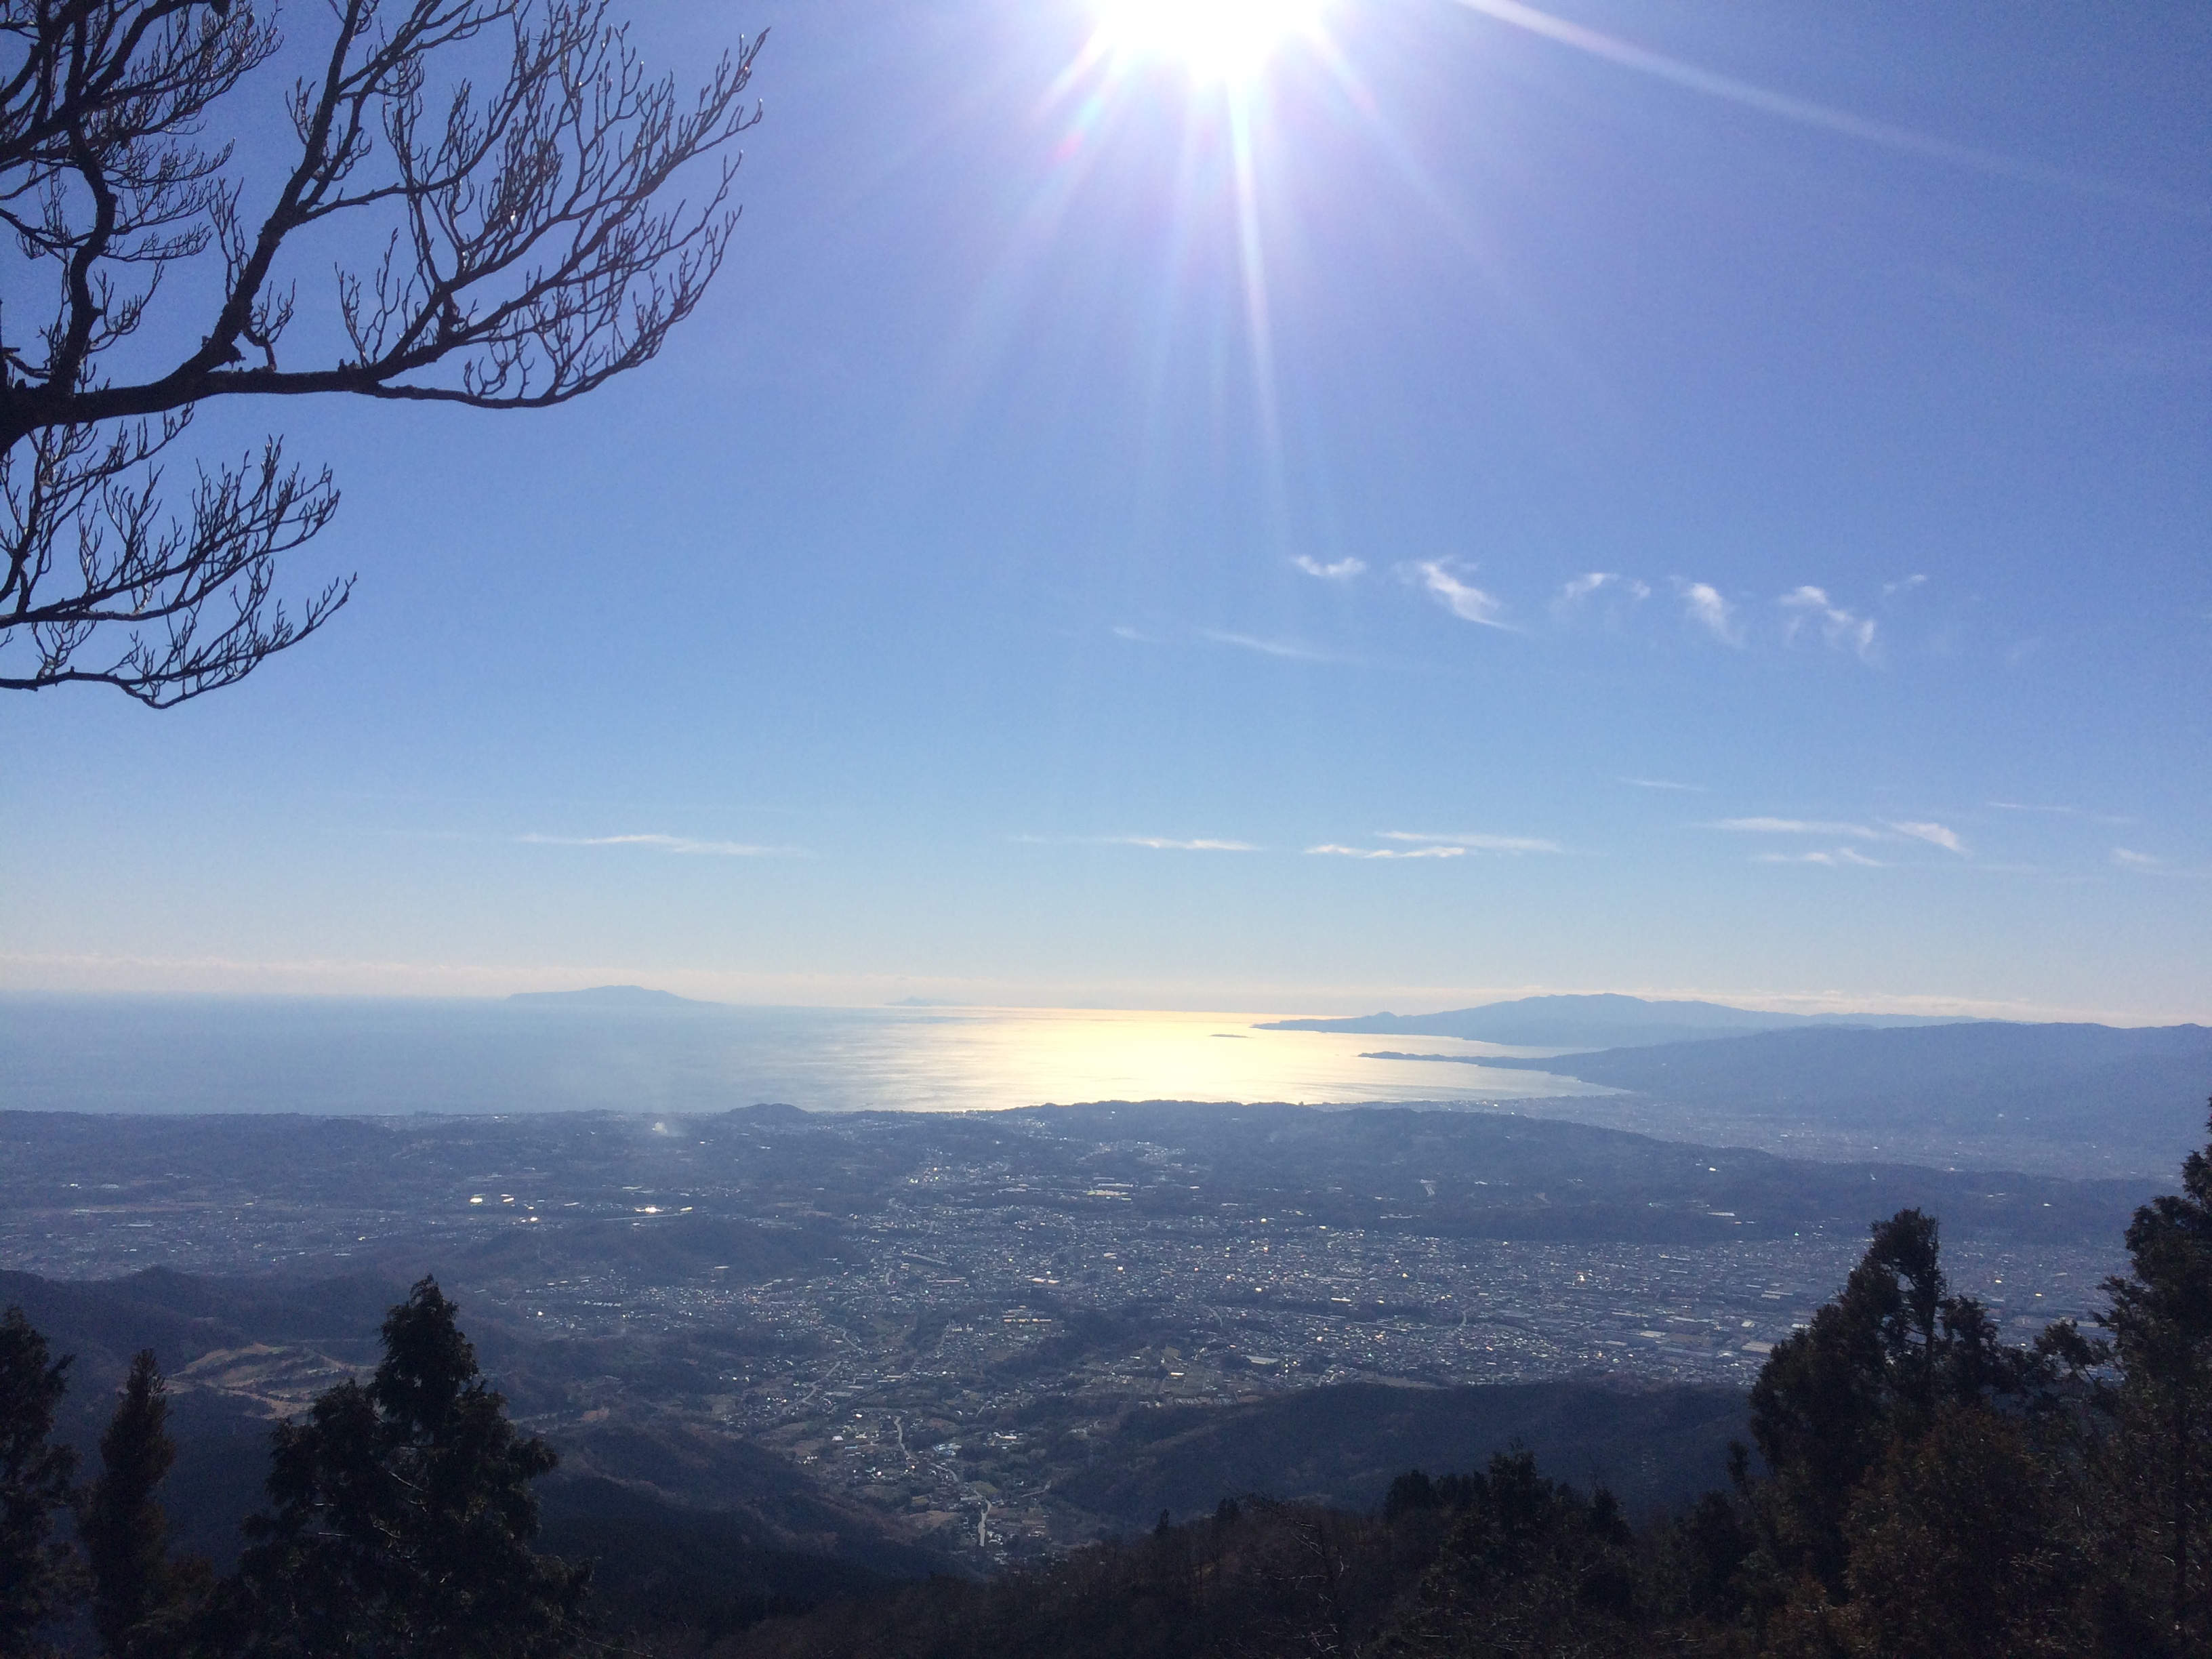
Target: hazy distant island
(1606, 1020)
(611, 996)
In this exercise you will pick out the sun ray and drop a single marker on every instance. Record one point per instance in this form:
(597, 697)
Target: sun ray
(1802, 110)
(1252, 262)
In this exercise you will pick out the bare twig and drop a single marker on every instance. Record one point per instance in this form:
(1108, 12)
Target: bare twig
(529, 237)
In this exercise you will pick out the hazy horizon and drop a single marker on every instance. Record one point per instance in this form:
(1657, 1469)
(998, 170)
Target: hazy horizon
(322, 982)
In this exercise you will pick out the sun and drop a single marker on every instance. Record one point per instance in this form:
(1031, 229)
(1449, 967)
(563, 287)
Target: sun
(1212, 39)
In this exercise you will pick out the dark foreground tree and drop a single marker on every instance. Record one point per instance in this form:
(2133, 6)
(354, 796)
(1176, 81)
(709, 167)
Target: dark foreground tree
(1530, 1566)
(1873, 1371)
(2157, 1465)
(1959, 1547)
(500, 181)
(36, 1576)
(403, 1516)
(143, 1602)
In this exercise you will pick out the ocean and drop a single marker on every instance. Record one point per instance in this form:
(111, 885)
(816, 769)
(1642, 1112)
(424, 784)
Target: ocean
(344, 1055)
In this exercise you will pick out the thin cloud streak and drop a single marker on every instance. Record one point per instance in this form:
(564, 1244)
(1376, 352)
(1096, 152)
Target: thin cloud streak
(661, 843)
(1935, 833)
(1287, 650)
(1169, 844)
(2058, 812)
(1331, 848)
(1841, 857)
(1797, 827)
(1665, 783)
(1154, 843)
(1478, 843)
(1342, 571)
(2144, 863)
(1284, 650)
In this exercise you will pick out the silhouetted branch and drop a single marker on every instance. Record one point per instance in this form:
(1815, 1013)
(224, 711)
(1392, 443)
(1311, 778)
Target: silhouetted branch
(532, 242)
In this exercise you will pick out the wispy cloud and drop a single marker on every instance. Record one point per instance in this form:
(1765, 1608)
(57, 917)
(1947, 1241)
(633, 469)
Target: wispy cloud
(1890, 590)
(1602, 592)
(1156, 843)
(1578, 590)
(2145, 864)
(1463, 600)
(1702, 604)
(1838, 627)
(1342, 571)
(660, 843)
(1390, 852)
(1285, 650)
(1935, 833)
(1171, 844)
(1478, 843)
(1835, 859)
(1664, 783)
(1288, 650)
(1798, 827)
(2057, 811)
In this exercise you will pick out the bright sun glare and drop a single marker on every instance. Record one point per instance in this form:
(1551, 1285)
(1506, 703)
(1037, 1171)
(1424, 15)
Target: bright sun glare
(1214, 39)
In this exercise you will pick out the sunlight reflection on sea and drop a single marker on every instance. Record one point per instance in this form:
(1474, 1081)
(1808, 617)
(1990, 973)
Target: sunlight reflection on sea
(962, 1060)
(376, 1056)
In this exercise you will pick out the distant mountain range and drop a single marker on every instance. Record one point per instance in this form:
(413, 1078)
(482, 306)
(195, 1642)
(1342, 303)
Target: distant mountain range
(1603, 1021)
(2063, 1099)
(2090, 1076)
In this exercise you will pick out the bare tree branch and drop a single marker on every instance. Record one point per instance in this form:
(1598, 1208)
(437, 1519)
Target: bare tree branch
(527, 233)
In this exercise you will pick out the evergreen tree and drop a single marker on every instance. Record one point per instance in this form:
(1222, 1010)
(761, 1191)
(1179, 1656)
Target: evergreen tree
(2159, 1462)
(1958, 1549)
(402, 1516)
(142, 1602)
(1530, 1566)
(36, 1571)
(1872, 1372)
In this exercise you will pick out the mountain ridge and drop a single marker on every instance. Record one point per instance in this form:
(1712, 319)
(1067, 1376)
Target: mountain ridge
(1604, 1019)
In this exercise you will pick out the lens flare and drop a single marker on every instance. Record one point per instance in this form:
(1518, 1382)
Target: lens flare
(1212, 39)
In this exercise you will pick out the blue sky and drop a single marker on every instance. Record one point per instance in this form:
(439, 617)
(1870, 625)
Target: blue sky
(1514, 520)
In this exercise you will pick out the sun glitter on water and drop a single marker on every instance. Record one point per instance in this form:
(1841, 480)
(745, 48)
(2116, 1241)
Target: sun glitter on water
(1213, 39)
